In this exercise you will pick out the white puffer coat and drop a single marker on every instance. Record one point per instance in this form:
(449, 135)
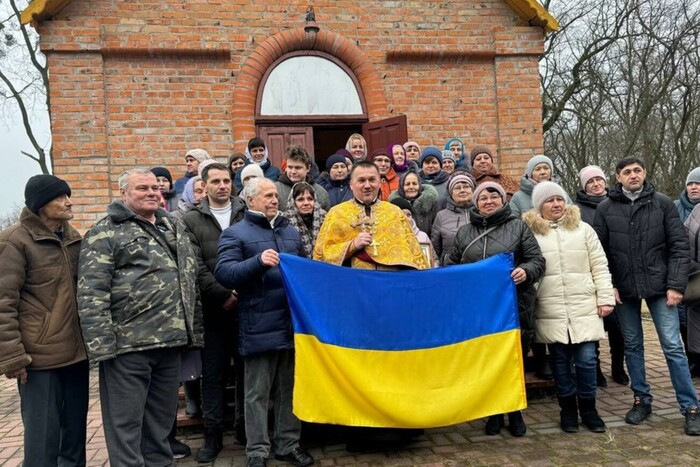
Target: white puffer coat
(576, 280)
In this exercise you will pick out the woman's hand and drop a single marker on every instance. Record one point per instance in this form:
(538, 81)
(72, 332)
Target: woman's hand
(605, 310)
(518, 275)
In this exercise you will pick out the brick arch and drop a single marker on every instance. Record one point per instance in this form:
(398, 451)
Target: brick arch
(290, 40)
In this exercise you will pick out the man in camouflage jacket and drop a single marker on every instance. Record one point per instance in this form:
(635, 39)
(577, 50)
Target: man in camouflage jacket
(139, 307)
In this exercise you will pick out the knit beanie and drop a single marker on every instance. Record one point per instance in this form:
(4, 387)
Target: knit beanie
(447, 154)
(402, 203)
(163, 172)
(251, 170)
(381, 152)
(485, 185)
(543, 191)
(479, 150)
(693, 176)
(42, 189)
(203, 164)
(460, 177)
(334, 159)
(410, 143)
(430, 151)
(588, 173)
(539, 159)
(199, 154)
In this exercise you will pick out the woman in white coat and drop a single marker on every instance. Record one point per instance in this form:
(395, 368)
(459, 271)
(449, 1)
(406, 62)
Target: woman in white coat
(573, 296)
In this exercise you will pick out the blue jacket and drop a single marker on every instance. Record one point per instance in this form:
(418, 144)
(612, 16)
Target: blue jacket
(265, 320)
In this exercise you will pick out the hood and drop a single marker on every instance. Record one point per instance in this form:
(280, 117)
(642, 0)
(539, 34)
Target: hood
(541, 226)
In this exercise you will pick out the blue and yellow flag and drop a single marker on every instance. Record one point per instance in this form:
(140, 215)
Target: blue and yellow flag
(409, 349)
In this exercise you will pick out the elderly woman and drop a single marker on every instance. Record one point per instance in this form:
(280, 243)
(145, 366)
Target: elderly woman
(357, 146)
(192, 195)
(573, 297)
(493, 229)
(484, 170)
(389, 180)
(448, 161)
(423, 199)
(412, 151)
(431, 172)
(460, 187)
(305, 214)
(401, 163)
(539, 169)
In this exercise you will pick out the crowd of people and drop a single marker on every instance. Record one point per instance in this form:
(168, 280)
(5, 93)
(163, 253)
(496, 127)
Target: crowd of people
(181, 278)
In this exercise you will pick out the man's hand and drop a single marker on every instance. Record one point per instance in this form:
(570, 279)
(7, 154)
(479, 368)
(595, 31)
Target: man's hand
(518, 275)
(617, 297)
(230, 302)
(270, 258)
(362, 240)
(673, 297)
(20, 374)
(605, 310)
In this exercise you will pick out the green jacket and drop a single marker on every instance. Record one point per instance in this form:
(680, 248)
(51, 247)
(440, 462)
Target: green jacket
(133, 293)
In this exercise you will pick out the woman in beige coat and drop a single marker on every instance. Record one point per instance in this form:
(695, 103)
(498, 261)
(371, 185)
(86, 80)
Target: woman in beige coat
(573, 296)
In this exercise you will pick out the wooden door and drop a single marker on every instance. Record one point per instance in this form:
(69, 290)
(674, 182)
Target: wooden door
(382, 133)
(277, 138)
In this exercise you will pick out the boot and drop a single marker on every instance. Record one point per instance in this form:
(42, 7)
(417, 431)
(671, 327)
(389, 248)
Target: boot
(600, 379)
(193, 409)
(568, 414)
(494, 424)
(617, 356)
(213, 443)
(542, 368)
(178, 448)
(589, 415)
(516, 424)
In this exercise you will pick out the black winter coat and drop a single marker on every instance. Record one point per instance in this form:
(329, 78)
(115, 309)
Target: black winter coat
(587, 204)
(265, 322)
(646, 244)
(511, 234)
(204, 232)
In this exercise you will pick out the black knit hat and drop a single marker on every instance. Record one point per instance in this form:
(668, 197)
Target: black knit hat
(163, 172)
(402, 204)
(42, 189)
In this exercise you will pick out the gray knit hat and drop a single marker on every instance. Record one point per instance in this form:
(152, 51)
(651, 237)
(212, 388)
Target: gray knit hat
(693, 176)
(539, 159)
(543, 191)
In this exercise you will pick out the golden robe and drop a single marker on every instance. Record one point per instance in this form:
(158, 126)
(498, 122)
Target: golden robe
(394, 244)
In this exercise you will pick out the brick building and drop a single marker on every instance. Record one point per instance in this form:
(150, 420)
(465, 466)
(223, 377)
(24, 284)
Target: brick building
(139, 82)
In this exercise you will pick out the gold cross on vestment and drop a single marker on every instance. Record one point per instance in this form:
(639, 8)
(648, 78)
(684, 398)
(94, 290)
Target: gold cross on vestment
(366, 224)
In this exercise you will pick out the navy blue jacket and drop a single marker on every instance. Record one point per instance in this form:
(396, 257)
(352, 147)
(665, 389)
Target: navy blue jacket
(264, 317)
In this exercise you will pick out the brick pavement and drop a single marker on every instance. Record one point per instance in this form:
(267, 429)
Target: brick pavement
(660, 441)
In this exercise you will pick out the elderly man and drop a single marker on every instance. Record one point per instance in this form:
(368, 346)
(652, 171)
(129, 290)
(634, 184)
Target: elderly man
(139, 308)
(204, 224)
(193, 158)
(40, 341)
(648, 253)
(248, 261)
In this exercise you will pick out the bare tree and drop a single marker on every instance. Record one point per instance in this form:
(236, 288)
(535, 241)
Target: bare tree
(622, 78)
(24, 79)
(10, 217)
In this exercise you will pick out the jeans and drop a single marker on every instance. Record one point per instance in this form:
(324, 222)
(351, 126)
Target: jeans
(584, 358)
(266, 373)
(138, 396)
(668, 330)
(54, 405)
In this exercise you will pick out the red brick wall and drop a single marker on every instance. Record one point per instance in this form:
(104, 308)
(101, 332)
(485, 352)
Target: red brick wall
(138, 82)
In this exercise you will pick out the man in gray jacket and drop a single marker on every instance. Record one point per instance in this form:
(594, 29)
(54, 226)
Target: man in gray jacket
(138, 306)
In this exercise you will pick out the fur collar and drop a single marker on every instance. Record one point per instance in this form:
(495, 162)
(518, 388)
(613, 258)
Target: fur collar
(541, 226)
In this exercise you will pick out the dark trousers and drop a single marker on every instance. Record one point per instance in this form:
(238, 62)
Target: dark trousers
(216, 360)
(138, 394)
(54, 406)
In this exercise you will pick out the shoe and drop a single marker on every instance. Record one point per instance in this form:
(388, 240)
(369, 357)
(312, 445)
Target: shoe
(257, 462)
(620, 377)
(516, 424)
(692, 422)
(494, 425)
(568, 415)
(638, 413)
(297, 456)
(179, 448)
(213, 443)
(589, 415)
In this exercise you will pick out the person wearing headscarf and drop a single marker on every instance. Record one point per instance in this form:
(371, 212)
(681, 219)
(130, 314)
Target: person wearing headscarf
(456, 146)
(192, 195)
(305, 214)
(423, 199)
(484, 169)
(256, 153)
(401, 162)
(357, 146)
(455, 215)
(493, 229)
(573, 297)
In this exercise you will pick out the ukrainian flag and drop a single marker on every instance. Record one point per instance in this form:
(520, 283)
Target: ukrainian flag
(409, 349)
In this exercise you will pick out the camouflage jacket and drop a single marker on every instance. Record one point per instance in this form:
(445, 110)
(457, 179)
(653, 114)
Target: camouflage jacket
(132, 293)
